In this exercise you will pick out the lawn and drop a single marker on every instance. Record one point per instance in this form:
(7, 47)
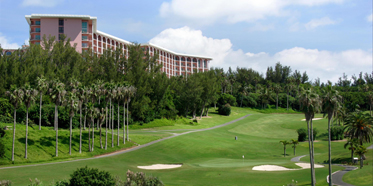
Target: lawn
(214, 157)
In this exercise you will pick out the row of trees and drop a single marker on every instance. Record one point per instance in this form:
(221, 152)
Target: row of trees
(357, 124)
(74, 97)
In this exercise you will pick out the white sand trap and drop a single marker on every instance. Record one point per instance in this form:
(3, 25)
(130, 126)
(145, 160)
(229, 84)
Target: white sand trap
(279, 168)
(160, 166)
(313, 119)
(307, 165)
(270, 168)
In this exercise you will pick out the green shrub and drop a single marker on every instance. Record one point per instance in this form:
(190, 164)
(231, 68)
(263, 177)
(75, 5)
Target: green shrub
(5, 183)
(336, 133)
(225, 110)
(6, 109)
(302, 134)
(140, 179)
(89, 176)
(226, 98)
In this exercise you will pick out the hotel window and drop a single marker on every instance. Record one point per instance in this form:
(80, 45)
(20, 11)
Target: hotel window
(37, 43)
(204, 64)
(60, 29)
(84, 38)
(37, 29)
(84, 45)
(84, 27)
(8, 53)
(37, 22)
(37, 37)
(60, 22)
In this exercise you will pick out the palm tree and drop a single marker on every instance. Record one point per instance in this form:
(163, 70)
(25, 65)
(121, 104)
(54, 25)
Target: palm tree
(294, 143)
(277, 89)
(331, 104)
(123, 97)
(57, 92)
(360, 151)
(131, 93)
(353, 143)
(101, 118)
(15, 97)
(29, 98)
(114, 94)
(284, 143)
(91, 113)
(42, 86)
(265, 96)
(72, 105)
(94, 95)
(81, 95)
(107, 93)
(311, 104)
(121, 92)
(359, 125)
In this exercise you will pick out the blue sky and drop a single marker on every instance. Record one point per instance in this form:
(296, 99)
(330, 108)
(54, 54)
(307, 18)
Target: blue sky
(323, 37)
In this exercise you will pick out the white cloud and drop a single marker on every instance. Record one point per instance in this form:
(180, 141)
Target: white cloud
(6, 44)
(42, 3)
(186, 40)
(232, 11)
(325, 64)
(314, 23)
(370, 18)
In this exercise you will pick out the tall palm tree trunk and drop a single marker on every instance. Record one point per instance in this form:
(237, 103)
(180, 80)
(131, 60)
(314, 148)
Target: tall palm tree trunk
(127, 123)
(106, 120)
(89, 138)
(26, 133)
(56, 127)
(85, 116)
(110, 115)
(124, 122)
(93, 133)
(80, 126)
(100, 135)
(118, 126)
(313, 152)
(112, 126)
(71, 132)
(14, 133)
(330, 117)
(310, 150)
(41, 98)
(284, 150)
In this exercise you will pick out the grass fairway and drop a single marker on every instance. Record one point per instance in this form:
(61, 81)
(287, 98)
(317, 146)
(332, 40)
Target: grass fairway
(213, 157)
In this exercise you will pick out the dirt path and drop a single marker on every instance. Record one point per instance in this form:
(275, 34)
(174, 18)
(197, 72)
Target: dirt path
(129, 149)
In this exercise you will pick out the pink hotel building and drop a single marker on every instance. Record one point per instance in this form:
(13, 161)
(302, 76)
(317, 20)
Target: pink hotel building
(82, 31)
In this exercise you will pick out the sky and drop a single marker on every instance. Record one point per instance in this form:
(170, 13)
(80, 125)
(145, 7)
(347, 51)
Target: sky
(326, 38)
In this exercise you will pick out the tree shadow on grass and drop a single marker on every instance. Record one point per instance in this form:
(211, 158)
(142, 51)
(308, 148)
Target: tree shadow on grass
(46, 141)
(323, 136)
(339, 160)
(29, 141)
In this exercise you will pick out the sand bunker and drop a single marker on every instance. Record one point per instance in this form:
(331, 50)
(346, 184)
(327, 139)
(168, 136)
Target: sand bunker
(160, 166)
(313, 119)
(279, 168)
(270, 168)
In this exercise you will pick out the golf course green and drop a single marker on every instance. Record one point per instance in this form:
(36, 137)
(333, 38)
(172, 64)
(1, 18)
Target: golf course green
(214, 157)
